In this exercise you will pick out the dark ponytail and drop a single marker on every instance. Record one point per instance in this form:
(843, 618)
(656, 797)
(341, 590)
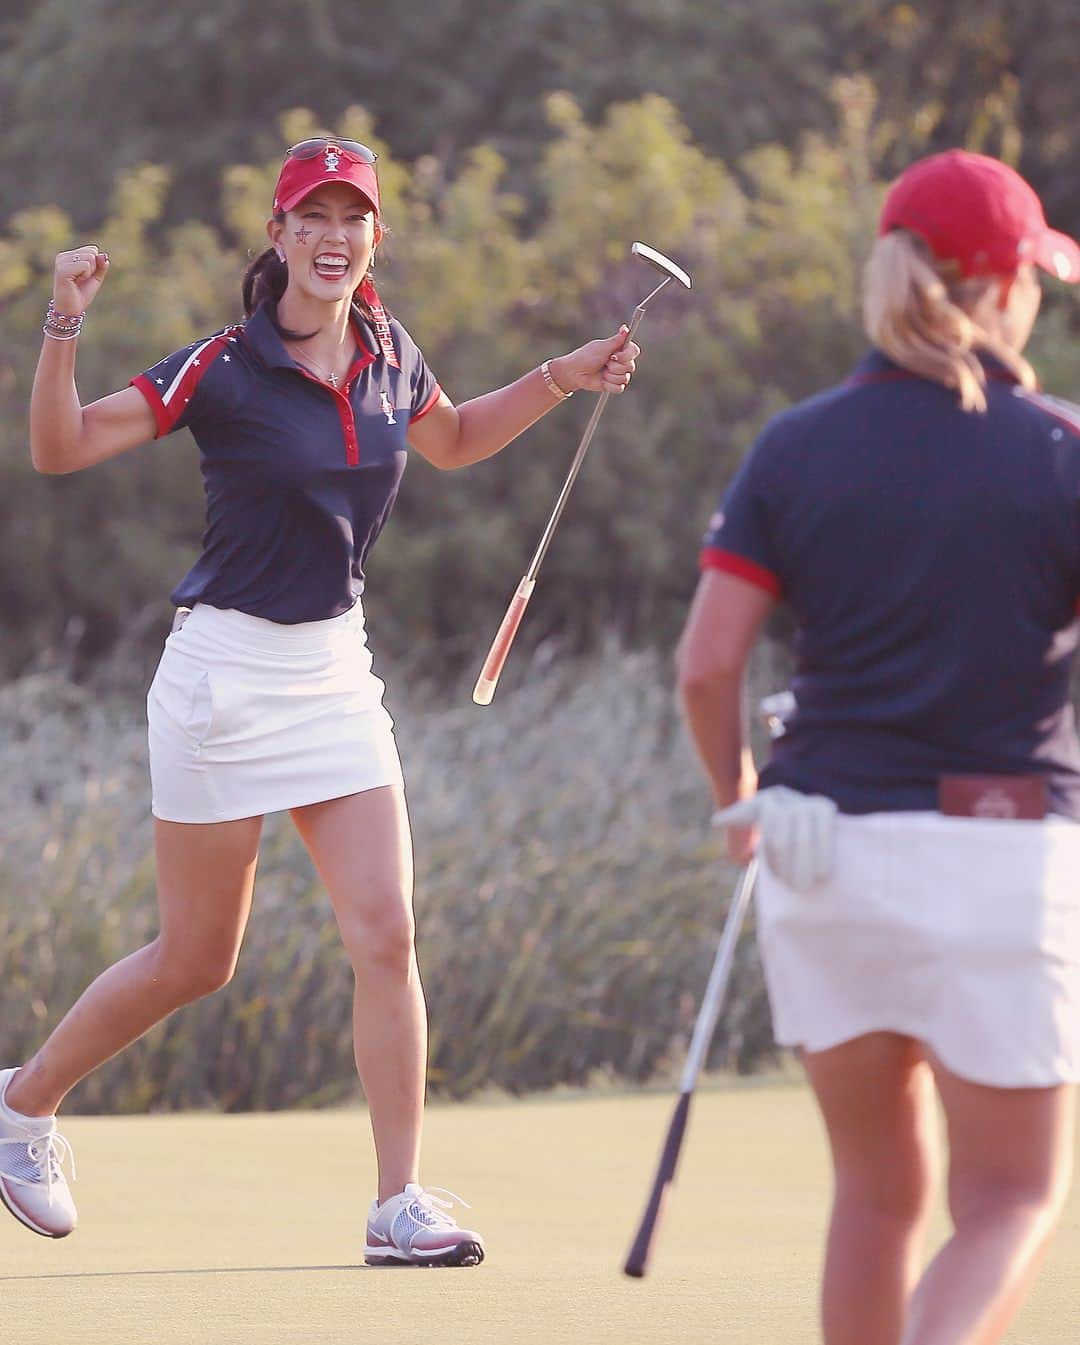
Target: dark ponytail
(265, 278)
(265, 281)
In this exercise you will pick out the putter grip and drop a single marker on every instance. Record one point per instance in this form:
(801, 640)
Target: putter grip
(638, 1256)
(500, 646)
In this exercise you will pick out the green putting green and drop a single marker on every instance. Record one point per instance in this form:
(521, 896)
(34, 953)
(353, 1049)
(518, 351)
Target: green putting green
(248, 1230)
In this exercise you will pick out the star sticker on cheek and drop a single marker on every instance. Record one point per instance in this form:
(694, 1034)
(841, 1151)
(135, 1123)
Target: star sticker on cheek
(302, 234)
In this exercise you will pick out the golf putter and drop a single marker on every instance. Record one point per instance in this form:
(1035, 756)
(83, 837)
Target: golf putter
(504, 637)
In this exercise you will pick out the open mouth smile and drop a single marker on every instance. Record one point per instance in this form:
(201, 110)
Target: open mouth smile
(331, 266)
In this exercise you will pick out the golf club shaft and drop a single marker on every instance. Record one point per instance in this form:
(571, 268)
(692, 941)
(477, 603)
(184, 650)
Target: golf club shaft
(488, 680)
(713, 998)
(638, 1256)
(579, 456)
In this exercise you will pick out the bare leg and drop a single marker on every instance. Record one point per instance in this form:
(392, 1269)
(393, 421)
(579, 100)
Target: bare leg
(362, 849)
(205, 876)
(1010, 1169)
(876, 1097)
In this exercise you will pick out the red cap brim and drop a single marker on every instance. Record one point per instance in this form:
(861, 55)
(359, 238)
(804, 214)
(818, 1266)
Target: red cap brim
(1059, 254)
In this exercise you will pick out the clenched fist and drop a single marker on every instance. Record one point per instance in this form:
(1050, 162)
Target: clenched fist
(77, 277)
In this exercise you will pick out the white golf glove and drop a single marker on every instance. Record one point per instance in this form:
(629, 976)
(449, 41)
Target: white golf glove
(797, 832)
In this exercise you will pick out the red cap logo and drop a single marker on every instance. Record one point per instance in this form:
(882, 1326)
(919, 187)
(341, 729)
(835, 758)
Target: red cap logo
(979, 213)
(330, 161)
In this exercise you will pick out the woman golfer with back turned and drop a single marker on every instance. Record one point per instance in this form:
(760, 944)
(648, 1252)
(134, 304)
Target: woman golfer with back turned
(264, 698)
(919, 903)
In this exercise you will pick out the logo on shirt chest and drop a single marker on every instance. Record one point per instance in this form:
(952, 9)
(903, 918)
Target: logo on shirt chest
(386, 406)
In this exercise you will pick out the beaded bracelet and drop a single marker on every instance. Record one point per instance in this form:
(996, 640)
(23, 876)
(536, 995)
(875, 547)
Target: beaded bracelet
(61, 326)
(552, 386)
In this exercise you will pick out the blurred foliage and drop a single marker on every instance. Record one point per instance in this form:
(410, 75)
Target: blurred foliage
(201, 85)
(489, 280)
(996, 76)
(90, 88)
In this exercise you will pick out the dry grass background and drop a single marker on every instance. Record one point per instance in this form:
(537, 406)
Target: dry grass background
(569, 895)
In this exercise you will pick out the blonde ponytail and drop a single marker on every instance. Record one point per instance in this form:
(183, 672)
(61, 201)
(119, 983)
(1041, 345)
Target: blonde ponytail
(919, 315)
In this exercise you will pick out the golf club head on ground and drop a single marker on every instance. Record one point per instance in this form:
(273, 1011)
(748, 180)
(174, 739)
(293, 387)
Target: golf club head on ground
(663, 264)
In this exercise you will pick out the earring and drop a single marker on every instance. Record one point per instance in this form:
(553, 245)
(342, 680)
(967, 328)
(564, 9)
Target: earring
(280, 255)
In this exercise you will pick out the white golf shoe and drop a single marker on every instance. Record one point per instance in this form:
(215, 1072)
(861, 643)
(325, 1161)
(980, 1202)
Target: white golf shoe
(414, 1229)
(32, 1181)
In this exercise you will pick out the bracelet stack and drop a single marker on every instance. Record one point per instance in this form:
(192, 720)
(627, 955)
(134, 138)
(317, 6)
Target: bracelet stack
(552, 386)
(60, 326)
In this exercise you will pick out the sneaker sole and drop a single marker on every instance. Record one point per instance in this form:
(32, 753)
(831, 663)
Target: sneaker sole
(25, 1219)
(464, 1254)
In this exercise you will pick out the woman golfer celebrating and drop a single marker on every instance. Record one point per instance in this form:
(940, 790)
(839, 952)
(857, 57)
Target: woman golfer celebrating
(919, 906)
(264, 698)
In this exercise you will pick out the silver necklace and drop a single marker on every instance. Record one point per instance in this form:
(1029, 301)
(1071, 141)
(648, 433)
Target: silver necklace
(326, 375)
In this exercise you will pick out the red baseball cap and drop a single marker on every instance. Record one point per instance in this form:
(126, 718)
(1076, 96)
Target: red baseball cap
(980, 213)
(313, 163)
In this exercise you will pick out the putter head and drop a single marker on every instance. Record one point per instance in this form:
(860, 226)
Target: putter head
(662, 263)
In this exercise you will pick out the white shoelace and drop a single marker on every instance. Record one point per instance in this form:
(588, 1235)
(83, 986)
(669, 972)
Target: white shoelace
(431, 1209)
(48, 1153)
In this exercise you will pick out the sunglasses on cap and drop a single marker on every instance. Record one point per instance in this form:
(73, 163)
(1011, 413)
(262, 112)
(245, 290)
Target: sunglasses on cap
(308, 149)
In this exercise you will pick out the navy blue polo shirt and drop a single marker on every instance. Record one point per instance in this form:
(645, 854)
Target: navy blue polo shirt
(300, 477)
(931, 559)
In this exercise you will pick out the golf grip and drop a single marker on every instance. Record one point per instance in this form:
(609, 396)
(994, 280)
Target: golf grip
(638, 1256)
(500, 646)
